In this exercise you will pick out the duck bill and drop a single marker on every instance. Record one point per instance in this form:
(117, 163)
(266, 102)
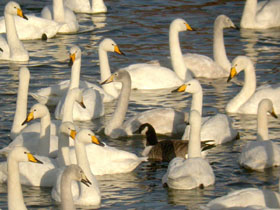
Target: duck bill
(117, 50)
(232, 74)
(29, 117)
(32, 159)
(107, 81)
(182, 88)
(20, 14)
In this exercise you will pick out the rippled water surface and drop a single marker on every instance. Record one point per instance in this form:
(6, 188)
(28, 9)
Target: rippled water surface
(140, 28)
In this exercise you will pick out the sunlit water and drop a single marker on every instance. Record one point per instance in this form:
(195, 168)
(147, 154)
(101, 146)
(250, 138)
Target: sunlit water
(141, 30)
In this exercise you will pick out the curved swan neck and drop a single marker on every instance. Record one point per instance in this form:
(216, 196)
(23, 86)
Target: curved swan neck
(247, 90)
(14, 187)
(219, 50)
(197, 100)
(67, 202)
(58, 11)
(45, 135)
(176, 53)
(75, 74)
(249, 13)
(262, 129)
(12, 36)
(21, 103)
(105, 72)
(194, 146)
(63, 156)
(122, 104)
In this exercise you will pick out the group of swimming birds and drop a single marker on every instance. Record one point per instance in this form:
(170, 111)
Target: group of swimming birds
(65, 152)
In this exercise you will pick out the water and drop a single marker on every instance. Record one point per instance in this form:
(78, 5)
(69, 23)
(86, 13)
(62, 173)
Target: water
(140, 28)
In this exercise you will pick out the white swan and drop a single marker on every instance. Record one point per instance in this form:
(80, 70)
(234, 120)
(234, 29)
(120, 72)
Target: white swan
(51, 95)
(247, 100)
(86, 6)
(21, 109)
(92, 99)
(43, 175)
(262, 15)
(61, 14)
(262, 153)
(71, 173)
(203, 66)
(82, 195)
(194, 171)
(151, 76)
(15, 197)
(211, 126)
(12, 47)
(164, 120)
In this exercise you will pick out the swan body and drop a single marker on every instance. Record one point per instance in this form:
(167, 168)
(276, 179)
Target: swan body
(62, 15)
(15, 197)
(82, 195)
(164, 150)
(249, 198)
(268, 152)
(12, 47)
(85, 6)
(247, 100)
(203, 66)
(33, 28)
(209, 125)
(53, 94)
(262, 15)
(71, 173)
(91, 98)
(194, 171)
(151, 76)
(170, 121)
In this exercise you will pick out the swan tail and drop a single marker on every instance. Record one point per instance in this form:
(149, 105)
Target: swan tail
(40, 99)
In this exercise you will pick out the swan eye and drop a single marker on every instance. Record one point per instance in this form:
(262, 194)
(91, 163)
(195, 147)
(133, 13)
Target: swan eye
(89, 134)
(35, 110)
(25, 152)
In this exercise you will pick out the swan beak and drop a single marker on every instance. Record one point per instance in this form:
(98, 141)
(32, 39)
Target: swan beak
(1, 49)
(189, 28)
(29, 118)
(72, 59)
(117, 50)
(109, 80)
(85, 180)
(273, 114)
(95, 140)
(31, 158)
(73, 134)
(232, 74)
(20, 13)
(82, 104)
(182, 88)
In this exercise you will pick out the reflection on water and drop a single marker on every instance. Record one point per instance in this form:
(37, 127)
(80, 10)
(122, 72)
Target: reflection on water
(140, 28)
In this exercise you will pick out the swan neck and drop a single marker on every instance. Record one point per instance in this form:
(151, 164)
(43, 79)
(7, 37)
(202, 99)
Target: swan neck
(21, 107)
(58, 11)
(249, 13)
(14, 187)
(75, 74)
(12, 36)
(45, 135)
(177, 60)
(262, 128)
(63, 157)
(67, 202)
(197, 100)
(219, 50)
(68, 107)
(194, 146)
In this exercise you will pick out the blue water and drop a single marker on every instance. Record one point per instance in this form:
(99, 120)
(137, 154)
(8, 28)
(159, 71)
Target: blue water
(140, 28)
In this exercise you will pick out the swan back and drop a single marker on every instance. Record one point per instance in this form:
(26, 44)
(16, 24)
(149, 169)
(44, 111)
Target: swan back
(194, 143)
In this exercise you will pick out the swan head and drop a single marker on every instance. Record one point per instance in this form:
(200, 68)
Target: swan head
(180, 25)
(75, 172)
(75, 54)
(148, 130)
(13, 8)
(37, 111)
(192, 86)
(239, 64)
(21, 154)
(224, 21)
(78, 96)
(86, 136)
(110, 46)
(267, 106)
(119, 76)
(68, 128)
